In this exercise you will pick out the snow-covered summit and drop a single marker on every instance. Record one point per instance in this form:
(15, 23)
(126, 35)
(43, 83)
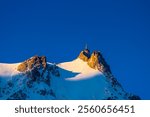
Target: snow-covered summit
(87, 77)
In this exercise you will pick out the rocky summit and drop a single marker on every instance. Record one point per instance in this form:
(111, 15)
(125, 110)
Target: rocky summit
(95, 60)
(34, 62)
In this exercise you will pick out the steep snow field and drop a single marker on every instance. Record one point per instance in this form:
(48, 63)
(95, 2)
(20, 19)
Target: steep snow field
(80, 67)
(86, 83)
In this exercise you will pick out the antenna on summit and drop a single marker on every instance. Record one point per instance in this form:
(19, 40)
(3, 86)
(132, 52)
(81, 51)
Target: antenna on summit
(86, 46)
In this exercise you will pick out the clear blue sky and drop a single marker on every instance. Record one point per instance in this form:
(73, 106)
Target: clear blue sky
(59, 29)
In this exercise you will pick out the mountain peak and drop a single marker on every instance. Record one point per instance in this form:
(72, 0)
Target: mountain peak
(87, 77)
(84, 55)
(94, 60)
(38, 62)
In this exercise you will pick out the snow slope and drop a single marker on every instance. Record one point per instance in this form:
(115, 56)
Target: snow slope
(86, 83)
(80, 67)
(8, 69)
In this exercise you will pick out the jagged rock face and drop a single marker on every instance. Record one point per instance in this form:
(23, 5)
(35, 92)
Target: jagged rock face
(32, 81)
(33, 72)
(94, 60)
(103, 63)
(84, 55)
(36, 61)
(133, 97)
(37, 70)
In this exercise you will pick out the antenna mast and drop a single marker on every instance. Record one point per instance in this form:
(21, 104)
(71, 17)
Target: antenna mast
(86, 46)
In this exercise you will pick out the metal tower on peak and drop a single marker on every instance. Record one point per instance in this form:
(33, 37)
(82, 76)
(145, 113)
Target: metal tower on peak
(86, 47)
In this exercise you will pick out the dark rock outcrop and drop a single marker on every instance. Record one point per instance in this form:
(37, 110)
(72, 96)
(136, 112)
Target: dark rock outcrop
(84, 55)
(33, 62)
(133, 97)
(36, 70)
(94, 60)
(19, 95)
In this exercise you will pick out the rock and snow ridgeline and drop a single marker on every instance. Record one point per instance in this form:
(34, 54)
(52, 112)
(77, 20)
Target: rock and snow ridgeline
(87, 77)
